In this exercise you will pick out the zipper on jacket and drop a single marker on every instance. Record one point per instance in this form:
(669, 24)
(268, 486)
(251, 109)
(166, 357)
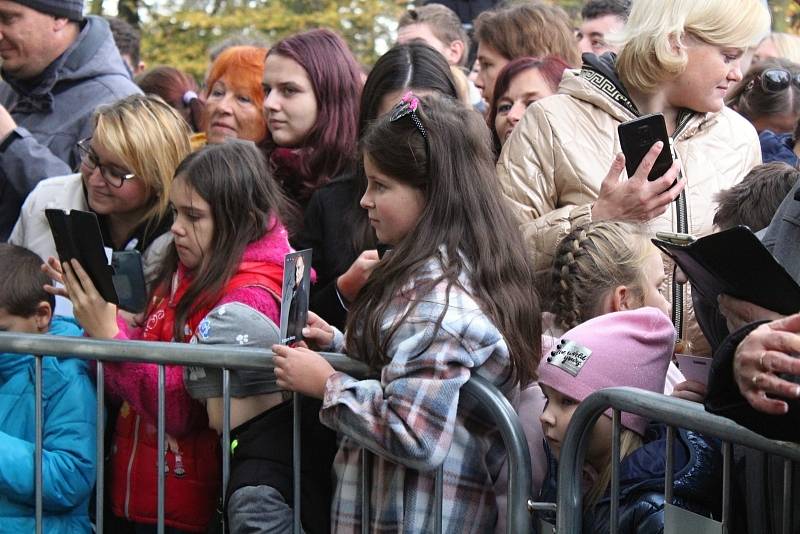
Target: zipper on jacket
(682, 224)
(130, 467)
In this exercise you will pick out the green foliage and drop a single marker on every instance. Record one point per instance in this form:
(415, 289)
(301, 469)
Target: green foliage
(182, 39)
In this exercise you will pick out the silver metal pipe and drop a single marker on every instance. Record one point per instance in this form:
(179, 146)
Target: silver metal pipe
(615, 450)
(669, 410)
(226, 440)
(519, 459)
(219, 356)
(296, 413)
(727, 488)
(161, 445)
(38, 445)
(101, 454)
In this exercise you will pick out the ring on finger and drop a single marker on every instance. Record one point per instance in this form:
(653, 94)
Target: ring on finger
(756, 377)
(761, 360)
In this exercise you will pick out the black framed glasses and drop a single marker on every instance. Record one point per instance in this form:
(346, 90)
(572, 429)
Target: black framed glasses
(113, 176)
(776, 80)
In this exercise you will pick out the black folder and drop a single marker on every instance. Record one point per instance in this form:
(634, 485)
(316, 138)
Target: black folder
(736, 263)
(77, 235)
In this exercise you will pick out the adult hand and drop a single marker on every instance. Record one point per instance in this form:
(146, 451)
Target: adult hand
(739, 313)
(301, 370)
(97, 317)
(690, 390)
(351, 282)
(317, 332)
(637, 199)
(7, 123)
(133, 320)
(769, 350)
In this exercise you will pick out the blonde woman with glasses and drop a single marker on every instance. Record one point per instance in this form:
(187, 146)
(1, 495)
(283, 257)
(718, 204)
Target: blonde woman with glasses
(124, 177)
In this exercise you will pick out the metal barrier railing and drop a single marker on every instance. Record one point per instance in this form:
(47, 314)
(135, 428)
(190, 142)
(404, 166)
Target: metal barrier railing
(228, 357)
(674, 412)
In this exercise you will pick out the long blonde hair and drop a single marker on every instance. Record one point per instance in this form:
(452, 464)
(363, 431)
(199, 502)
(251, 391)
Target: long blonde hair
(150, 138)
(629, 441)
(649, 57)
(591, 260)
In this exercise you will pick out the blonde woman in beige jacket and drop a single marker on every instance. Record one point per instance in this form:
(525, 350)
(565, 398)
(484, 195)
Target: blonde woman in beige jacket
(678, 57)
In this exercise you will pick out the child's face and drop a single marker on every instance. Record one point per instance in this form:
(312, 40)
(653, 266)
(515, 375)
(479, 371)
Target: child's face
(555, 419)
(653, 279)
(15, 323)
(393, 207)
(193, 228)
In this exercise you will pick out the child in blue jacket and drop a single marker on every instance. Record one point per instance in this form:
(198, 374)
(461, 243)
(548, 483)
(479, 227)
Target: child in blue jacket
(69, 409)
(628, 348)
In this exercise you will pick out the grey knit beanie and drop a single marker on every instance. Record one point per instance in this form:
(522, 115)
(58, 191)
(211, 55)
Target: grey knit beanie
(71, 9)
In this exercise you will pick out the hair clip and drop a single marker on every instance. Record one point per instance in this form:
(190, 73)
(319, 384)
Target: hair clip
(408, 106)
(188, 96)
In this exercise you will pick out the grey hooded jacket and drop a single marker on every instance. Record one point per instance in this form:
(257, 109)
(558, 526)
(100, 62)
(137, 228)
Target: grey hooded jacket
(54, 112)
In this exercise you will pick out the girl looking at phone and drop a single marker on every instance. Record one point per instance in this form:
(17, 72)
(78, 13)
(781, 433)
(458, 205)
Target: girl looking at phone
(228, 247)
(455, 297)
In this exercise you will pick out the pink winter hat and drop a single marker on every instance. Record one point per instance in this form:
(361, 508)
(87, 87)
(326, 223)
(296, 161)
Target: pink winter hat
(628, 348)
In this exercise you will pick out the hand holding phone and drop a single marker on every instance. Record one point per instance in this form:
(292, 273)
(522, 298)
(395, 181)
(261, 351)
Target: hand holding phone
(638, 136)
(636, 199)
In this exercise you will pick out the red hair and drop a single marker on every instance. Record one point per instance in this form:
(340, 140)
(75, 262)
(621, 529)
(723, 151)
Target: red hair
(243, 69)
(331, 146)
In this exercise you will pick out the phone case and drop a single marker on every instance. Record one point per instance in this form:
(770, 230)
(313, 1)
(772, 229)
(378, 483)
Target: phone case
(736, 263)
(129, 280)
(77, 235)
(637, 136)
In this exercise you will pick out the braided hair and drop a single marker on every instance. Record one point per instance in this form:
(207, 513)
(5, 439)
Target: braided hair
(589, 262)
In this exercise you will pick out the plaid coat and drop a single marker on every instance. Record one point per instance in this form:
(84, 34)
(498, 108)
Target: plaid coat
(411, 418)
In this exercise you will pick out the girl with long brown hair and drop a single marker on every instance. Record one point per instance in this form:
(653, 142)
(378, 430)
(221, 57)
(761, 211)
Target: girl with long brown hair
(454, 296)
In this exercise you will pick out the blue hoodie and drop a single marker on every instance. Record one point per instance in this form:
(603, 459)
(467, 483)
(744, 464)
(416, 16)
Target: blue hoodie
(697, 483)
(69, 436)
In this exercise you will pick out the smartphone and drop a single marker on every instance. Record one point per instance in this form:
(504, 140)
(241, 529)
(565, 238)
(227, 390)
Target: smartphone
(638, 136)
(694, 368)
(676, 238)
(383, 249)
(77, 236)
(129, 280)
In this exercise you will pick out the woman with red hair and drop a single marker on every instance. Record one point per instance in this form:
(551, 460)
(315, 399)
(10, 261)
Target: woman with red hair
(234, 95)
(522, 82)
(313, 86)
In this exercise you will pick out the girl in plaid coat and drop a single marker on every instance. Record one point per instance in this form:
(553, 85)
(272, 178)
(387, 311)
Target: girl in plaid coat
(453, 297)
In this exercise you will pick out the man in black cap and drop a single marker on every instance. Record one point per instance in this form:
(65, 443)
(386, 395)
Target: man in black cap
(57, 67)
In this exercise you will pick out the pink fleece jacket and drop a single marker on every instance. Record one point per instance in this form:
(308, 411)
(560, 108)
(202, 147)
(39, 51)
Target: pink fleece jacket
(137, 383)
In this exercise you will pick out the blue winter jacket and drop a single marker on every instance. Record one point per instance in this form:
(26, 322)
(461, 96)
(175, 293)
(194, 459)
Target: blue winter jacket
(69, 436)
(697, 483)
(777, 147)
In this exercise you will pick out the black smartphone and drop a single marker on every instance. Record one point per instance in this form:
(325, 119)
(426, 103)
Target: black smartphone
(638, 136)
(129, 280)
(77, 235)
(383, 249)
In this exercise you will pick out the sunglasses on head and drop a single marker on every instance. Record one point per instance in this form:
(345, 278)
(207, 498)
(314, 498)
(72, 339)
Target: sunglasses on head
(775, 80)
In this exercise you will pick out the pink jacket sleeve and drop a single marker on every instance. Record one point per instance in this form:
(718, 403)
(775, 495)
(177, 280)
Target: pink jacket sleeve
(137, 383)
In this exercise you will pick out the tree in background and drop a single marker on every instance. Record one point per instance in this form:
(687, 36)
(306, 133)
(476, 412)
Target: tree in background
(180, 32)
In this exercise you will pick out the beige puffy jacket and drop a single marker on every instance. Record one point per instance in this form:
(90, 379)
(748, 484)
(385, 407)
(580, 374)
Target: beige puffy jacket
(553, 164)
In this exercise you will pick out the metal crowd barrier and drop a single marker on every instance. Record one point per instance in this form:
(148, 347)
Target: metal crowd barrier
(674, 412)
(229, 357)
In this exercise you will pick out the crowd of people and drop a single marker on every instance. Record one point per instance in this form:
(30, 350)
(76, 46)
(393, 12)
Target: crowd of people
(470, 213)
